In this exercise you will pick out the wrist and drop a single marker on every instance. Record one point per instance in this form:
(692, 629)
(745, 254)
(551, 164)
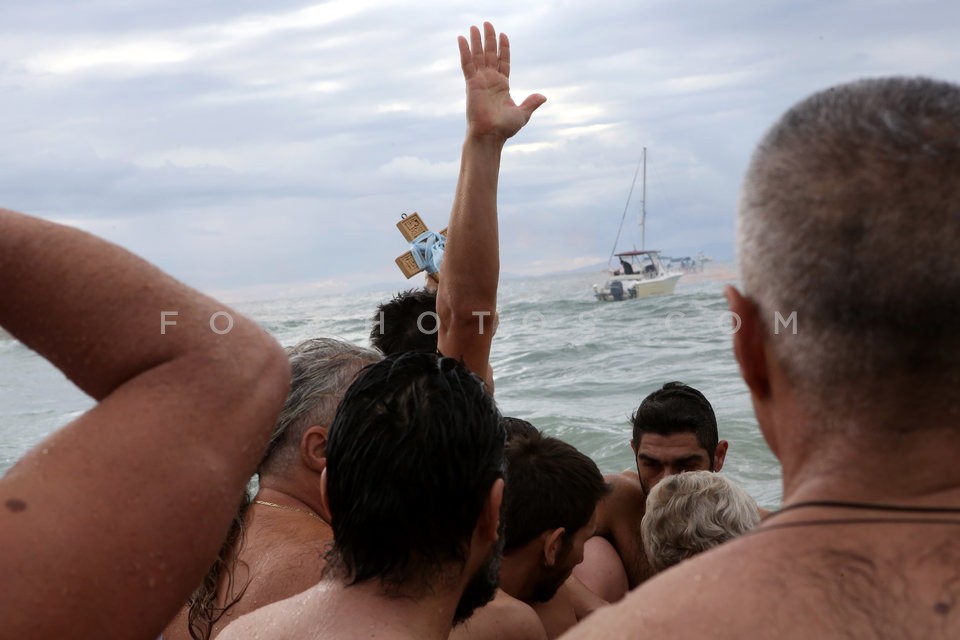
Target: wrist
(488, 139)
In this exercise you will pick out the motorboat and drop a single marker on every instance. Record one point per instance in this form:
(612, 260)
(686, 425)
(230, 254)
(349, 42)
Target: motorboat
(640, 274)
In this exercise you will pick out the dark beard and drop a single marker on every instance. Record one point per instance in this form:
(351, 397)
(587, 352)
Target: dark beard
(482, 585)
(548, 585)
(552, 578)
(643, 485)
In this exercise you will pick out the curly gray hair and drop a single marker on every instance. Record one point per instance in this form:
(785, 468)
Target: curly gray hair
(691, 512)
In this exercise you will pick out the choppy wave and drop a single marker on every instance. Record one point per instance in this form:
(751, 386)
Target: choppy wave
(575, 367)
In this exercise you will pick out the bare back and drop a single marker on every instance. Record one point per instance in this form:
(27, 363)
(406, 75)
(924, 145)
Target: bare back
(503, 618)
(282, 555)
(897, 580)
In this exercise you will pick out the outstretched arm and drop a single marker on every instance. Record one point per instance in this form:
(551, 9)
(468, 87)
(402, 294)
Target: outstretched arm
(108, 524)
(467, 295)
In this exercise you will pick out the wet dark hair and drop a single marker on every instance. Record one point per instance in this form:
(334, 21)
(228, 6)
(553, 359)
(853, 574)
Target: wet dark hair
(549, 485)
(395, 324)
(516, 427)
(203, 612)
(413, 452)
(677, 408)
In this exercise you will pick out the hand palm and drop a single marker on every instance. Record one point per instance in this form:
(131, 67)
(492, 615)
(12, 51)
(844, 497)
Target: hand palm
(490, 109)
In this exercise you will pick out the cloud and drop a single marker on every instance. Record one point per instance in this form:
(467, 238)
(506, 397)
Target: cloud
(244, 146)
(142, 50)
(418, 168)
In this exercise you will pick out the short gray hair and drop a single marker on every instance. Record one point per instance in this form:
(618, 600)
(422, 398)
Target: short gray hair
(691, 512)
(321, 371)
(850, 217)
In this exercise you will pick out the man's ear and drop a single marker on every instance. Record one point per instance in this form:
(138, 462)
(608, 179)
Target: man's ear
(634, 445)
(489, 523)
(313, 448)
(720, 455)
(552, 545)
(749, 345)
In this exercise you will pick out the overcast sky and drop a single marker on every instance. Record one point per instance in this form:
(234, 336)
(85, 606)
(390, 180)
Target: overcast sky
(254, 146)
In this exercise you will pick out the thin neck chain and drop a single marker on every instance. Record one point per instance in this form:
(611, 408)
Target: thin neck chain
(869, 506)
(288, 508)
(922, 511)
(846, 521)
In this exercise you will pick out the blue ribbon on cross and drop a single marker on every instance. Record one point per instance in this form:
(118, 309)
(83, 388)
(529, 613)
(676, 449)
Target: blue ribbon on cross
(427, 249)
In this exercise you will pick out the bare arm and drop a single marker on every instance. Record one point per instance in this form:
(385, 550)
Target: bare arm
(602, 571)
(584, 600)
(571, 603)
(111, 521)
(618, 520)
(467, 294)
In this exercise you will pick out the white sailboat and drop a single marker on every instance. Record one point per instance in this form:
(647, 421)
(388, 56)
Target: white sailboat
(638, 273)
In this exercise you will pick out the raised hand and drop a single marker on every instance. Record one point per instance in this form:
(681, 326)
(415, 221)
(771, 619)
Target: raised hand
(467, 293)
(491, 112)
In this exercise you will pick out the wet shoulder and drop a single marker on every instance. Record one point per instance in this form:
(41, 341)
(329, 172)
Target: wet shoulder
(799, 584)
(504, 618)
(625, 504)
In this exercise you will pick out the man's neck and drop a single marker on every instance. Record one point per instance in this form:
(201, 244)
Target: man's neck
(426, 615)
(291, 494)
(516, 569)
(855, 465)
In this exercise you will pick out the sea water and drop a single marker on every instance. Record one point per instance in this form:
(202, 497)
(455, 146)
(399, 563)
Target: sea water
(574, 367)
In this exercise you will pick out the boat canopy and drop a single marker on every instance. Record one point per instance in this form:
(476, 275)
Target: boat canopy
(636, 253)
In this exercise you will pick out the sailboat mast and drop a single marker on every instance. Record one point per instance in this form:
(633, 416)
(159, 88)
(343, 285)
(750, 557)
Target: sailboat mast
(643, 205)
(626, 207)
